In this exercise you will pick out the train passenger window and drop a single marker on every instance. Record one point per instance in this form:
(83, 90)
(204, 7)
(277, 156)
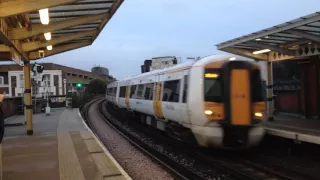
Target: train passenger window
(213, 87)
(140, 91)
(122, 91)
(256, 87)
(171, 91)
(148, 95)
(185, 89)
(114, 90)
(132, 90)
(110, 91)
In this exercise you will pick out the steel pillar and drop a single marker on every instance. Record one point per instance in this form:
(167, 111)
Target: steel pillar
(28, 97)
(270, 91)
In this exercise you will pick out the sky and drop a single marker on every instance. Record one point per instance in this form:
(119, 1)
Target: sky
(142, 29)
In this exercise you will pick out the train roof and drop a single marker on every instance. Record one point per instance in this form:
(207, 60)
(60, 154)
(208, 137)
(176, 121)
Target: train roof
(200, 62)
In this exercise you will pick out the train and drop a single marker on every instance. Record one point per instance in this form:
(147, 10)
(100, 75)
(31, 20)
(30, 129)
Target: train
(216, 101)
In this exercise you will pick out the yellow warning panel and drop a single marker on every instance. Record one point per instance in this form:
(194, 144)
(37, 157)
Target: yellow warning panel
(240, 97)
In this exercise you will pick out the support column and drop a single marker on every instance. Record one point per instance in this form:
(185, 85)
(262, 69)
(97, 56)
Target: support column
(27, 97)
(270, 91)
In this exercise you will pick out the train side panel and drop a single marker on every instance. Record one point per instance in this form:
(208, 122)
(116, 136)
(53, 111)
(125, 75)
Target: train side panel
(195, 98)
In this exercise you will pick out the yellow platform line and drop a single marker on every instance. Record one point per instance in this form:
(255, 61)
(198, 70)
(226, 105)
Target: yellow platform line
(69, 165)
(106, 151)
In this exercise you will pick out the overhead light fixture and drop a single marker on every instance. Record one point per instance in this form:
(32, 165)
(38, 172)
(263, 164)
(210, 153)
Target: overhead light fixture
(232, 58)
(258, 39)
(49, 48)
(261, 51)
(44, 16)
(47, 36)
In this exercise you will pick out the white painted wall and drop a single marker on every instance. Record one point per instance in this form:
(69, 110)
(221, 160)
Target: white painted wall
(20, 82)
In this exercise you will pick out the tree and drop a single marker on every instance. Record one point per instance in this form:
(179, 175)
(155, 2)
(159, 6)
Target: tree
(97, 86)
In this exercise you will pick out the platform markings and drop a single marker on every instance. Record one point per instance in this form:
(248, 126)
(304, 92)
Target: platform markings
(69, 165)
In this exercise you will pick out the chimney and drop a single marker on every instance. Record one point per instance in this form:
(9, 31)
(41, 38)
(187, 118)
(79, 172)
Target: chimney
(147, 64)
(143, 69)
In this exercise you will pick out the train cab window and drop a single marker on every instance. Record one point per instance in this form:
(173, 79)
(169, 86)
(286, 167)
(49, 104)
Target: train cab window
(185, 89)
(148, 95)
(213, 86)
(132, 90)
(256, 87)
(171, 91)
(122, 91)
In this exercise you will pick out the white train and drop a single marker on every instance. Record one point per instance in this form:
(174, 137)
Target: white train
(215, 101)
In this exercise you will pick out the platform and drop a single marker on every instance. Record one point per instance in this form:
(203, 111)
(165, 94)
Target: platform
(305, 130)
(62, 147)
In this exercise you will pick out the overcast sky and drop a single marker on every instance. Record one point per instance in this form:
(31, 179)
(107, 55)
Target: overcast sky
(142, 29)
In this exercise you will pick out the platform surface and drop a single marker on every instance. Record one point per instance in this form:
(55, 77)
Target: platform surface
(61, 148)
(307, 130)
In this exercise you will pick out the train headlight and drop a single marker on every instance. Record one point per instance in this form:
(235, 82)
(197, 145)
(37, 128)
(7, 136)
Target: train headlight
(258, 114)
(208, 112)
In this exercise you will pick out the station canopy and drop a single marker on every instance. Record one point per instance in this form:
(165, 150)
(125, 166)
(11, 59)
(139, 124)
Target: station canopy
(296, 39)
(62, 25)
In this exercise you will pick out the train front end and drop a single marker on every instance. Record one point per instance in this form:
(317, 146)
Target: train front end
(233, 98)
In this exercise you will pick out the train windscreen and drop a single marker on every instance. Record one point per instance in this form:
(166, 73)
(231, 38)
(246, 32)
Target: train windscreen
(256, 87)
(213, 87)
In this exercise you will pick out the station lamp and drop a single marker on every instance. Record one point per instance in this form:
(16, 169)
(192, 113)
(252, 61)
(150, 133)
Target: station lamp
(47, 36)
(44, 16)
(49, 48)
(261, 51)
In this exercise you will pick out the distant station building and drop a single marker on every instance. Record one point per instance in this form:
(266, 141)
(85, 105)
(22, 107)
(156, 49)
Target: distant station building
(57, 79)
(158, 63)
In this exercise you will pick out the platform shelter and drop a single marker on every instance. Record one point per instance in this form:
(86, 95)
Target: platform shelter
(297, 44)
(34, 29)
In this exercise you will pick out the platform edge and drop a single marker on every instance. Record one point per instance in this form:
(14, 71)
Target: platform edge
(293, 135)
(106, 151)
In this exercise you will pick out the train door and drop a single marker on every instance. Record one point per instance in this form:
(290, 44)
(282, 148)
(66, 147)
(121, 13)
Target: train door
(157, 106)
(127, 97)
(171, 99)
(240, 99)
(184, 111)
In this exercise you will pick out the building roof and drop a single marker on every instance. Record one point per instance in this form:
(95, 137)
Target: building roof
(73, 24)
(50, 66)
(294, 39)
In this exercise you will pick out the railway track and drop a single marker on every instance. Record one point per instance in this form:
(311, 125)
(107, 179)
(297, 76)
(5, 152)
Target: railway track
(180, 172)
(222, 167)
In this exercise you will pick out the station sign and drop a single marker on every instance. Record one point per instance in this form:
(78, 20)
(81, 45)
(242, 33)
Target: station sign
(16, 57)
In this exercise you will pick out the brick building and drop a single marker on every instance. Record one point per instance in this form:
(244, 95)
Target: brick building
(12, 79)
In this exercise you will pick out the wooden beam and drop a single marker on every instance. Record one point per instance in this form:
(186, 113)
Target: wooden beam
(4, 48)
(30, 46)
(14, 44)
(23, 33)
(59, 49)
(14, 7)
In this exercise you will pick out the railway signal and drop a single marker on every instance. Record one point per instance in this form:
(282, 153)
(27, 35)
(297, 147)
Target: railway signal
(79, 85)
